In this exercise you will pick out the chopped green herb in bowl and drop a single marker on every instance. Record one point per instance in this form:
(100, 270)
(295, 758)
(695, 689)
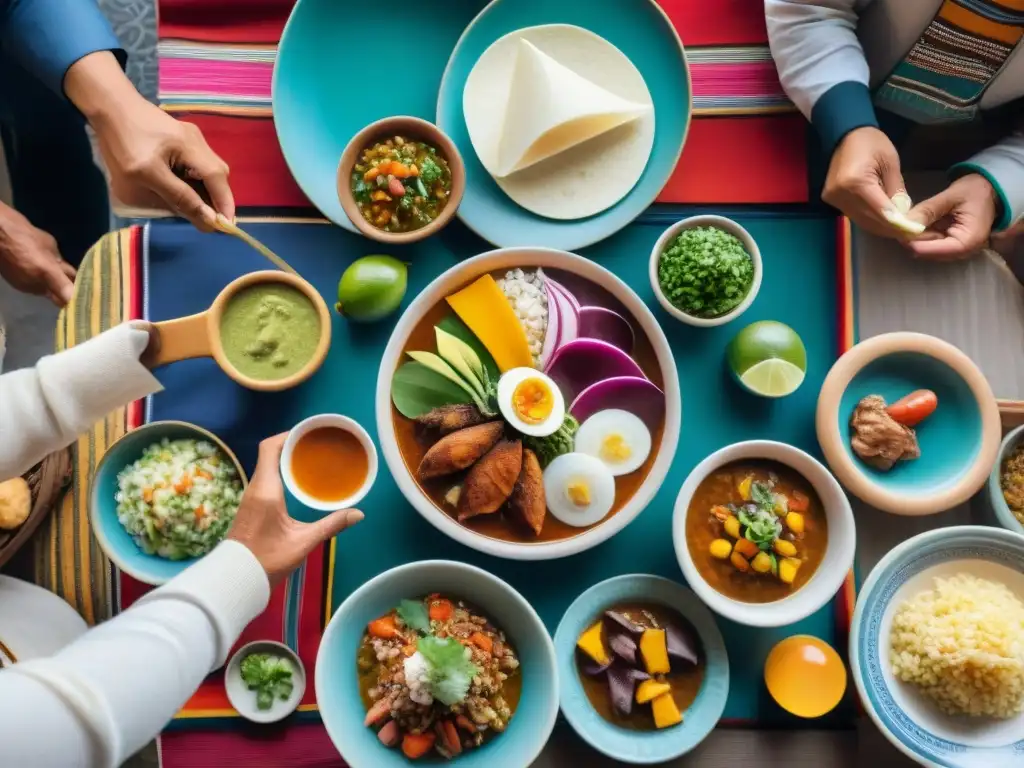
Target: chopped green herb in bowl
(705, 270)
(270, 677)
(265, 681)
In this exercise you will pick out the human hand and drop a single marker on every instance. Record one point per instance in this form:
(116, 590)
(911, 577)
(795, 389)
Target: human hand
(262, 524)
(863, 176)
(151, 156)
(959, 219)
(30, 260)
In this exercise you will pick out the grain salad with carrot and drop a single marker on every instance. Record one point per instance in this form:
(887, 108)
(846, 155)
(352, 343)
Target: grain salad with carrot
(179, 498)
(437, 678)
(400, 184)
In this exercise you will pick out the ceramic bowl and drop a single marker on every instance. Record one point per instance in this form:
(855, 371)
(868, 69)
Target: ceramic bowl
(337, 680)
(831, 572)
(959, 442)
(336, 421)
(998, 504)
(414, 128)
(463, 274)
(910, 721)
(642, 747)
(199, 335)
(722, 223)
(244, 700)
(116, 543)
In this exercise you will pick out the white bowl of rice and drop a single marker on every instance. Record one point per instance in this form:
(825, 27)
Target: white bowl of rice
(937, 647)
(164, 495)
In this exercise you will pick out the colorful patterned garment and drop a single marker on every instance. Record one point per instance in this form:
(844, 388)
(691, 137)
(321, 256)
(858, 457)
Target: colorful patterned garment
(946, 73)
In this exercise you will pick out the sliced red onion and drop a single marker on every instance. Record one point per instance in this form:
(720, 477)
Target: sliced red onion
(606, 325)
(552, 338)
(565, 291)
(569, 310)
(583, 362)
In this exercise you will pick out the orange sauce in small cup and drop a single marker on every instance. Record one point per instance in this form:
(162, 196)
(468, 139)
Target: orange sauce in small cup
(329, 464)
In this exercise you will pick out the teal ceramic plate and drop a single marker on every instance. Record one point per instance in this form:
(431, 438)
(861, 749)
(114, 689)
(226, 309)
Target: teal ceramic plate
(958, 441)
(910, 721)
(998, 504)
(642, 31)
(337, 676)
(116, 543)
(341, 66)
(642, 747)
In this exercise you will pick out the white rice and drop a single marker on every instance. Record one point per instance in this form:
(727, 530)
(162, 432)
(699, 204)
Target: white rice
(525, 292)
(179, 499)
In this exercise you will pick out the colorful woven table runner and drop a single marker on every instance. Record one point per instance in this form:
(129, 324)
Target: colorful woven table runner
(746, 144)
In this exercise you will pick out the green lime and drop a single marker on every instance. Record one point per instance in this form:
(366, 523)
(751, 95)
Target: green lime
(768, 358)
(371, 288)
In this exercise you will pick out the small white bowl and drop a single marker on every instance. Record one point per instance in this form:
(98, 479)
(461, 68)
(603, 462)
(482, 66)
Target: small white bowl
(733, 228)
(336, 421)
(244, 700)
(834, 567)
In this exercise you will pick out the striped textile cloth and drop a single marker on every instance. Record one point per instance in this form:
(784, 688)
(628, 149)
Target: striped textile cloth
(946, 72)
(236, 79)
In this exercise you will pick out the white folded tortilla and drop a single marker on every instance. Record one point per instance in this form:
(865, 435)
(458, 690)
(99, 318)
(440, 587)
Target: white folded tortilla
(561, 119)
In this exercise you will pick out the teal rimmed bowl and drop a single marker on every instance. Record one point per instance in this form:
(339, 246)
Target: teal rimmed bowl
(959, 441)
(1000, 508)
(642, 747)
(337, 678)
(910, 721)
(117, 544)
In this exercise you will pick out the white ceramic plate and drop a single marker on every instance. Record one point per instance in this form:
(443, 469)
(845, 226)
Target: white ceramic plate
(645, 323)
(909, 720)
(34, 623)
(244, 700)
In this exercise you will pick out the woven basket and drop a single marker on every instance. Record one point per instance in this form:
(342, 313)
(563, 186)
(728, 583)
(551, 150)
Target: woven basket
(47, 480)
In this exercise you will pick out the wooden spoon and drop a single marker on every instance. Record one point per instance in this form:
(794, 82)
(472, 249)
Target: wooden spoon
(228, 227)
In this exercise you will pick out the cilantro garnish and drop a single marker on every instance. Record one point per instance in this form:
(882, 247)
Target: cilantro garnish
(451, 671)
(414, 614)
(705, 272)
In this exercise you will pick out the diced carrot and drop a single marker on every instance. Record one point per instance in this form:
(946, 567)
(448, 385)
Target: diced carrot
(722, 513)
(798, 502)
(384, 167)
(408, 650)
(400, 170)
(745, 547)
(147, 495)
(183, 485)
(449, 736)
(384, 627)
(482, 641)
(204, 474)
(465, 724)
(414, 170)
(441, 610)
(371, 174)
(200, 513)
(416, 745)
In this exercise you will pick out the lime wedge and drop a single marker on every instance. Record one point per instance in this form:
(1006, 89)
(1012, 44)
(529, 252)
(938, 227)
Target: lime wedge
(773, 378)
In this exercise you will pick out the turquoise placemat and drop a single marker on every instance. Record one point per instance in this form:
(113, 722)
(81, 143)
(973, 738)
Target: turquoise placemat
(800, 289)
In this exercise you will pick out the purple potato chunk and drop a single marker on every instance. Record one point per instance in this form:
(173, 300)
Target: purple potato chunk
(622, 621)
(622, 682)
(682, 646)
(591, 668)
(623, 646)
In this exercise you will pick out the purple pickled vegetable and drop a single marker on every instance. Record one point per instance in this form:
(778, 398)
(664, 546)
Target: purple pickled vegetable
(623, 646)
(552, 334)
(606, 325)
(629, 393)
(622, 682)
(620, 619)
(563, 321)
(584, 362)
(590, 667)
(682, 646)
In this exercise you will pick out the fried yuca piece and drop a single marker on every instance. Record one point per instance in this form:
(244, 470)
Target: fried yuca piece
(458, 450)
(451, 418)
(491, 480)
(527, 503)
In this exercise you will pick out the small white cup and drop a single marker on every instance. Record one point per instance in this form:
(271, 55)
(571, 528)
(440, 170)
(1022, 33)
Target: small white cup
(337, 421)
(733, 228)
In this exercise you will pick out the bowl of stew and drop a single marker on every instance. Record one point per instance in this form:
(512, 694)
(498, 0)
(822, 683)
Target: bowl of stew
(437, 660)
(763, 533)
(400, 180)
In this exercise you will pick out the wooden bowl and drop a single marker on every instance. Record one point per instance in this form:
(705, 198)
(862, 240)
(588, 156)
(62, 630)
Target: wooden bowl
(199, 335)
(417, 129)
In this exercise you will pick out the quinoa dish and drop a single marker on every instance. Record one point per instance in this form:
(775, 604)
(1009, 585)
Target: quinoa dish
(179, 499)
(437, 678)
(1011, 480)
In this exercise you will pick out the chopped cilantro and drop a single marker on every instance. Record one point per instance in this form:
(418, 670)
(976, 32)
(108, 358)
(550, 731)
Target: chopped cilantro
(414, 614)
(705, 272)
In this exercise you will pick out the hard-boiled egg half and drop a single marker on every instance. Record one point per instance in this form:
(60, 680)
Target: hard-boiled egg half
(530, 402)
(579, 489)
(618, 438)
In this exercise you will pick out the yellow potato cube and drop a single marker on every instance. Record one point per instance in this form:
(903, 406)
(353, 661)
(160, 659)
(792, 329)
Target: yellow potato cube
(762, 562)
(654, 651)
(795, 522)
(788, 569)
(744, 487)
(650, 689)
(785, 548)
(732, 526)
(721, 549)
(665, 711)
(591, 643)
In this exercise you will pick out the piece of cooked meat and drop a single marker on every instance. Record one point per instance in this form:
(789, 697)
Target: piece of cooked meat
(527, 502)
(879, 439)
(458, 450)
(491, 480)
(451, 418)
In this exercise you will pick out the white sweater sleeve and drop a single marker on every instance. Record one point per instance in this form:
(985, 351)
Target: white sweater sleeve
(44, 409)
(107, 694)
(821, 63)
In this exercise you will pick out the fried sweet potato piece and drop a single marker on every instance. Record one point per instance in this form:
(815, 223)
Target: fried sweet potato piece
(527, 503)
(458, 450)
(451, 418)
(491, 480)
